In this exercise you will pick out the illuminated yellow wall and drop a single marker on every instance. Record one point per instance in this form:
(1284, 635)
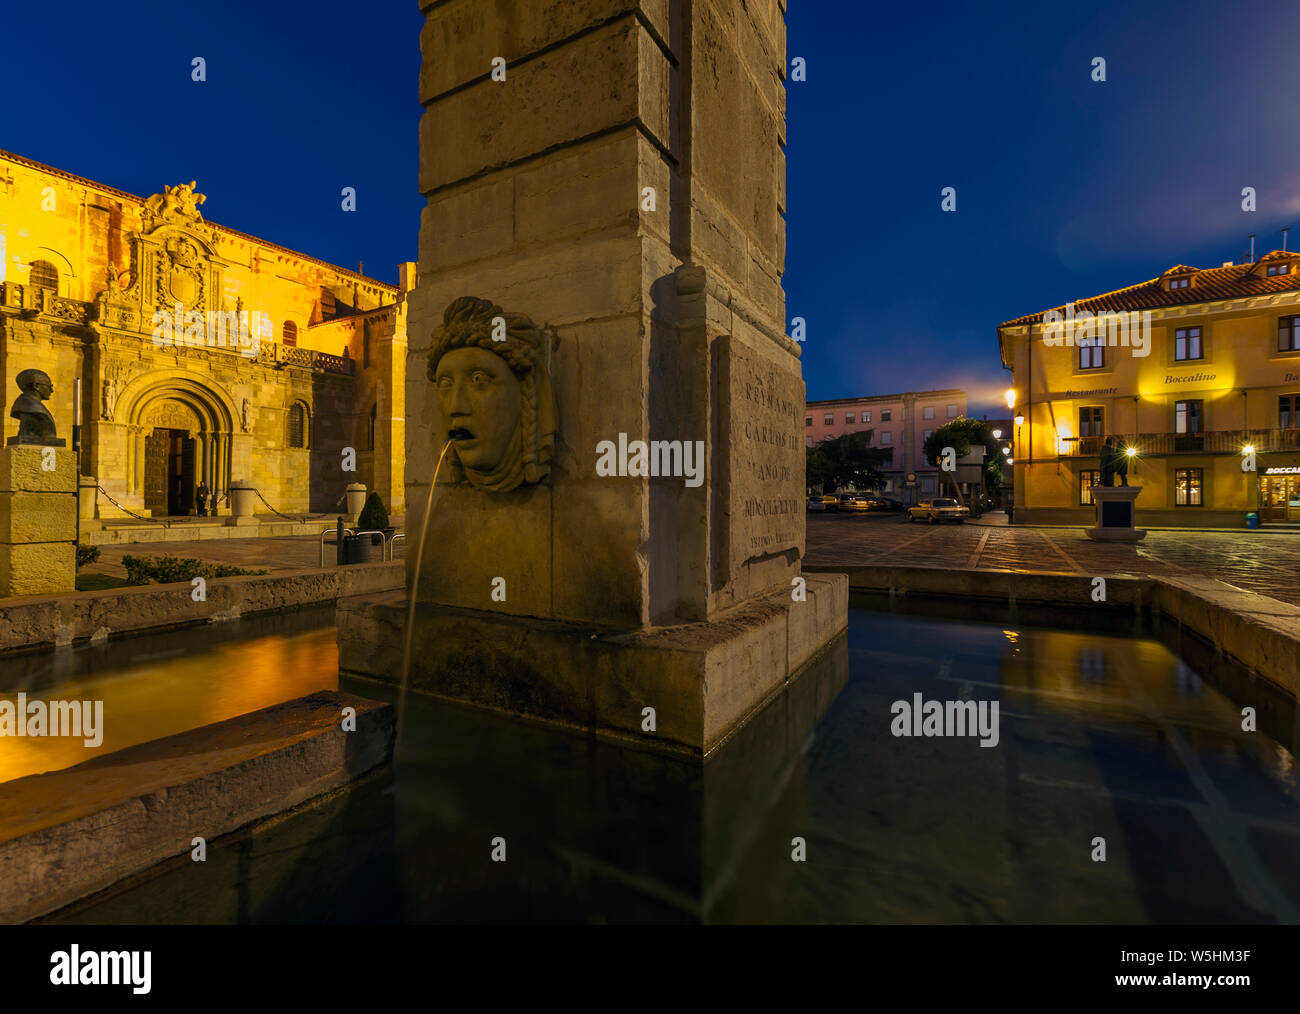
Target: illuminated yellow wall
(1240, 353)
(237, 408)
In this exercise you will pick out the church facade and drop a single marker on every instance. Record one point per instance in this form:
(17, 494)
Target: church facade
(206, 356)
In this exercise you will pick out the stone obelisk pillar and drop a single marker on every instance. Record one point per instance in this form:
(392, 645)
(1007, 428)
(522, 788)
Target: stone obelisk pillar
(613, 171)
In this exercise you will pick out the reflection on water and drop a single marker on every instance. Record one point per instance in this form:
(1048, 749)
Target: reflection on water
(1101, 736)
(157, 686)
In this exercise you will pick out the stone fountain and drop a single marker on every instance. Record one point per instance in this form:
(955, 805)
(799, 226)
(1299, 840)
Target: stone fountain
(598, 329)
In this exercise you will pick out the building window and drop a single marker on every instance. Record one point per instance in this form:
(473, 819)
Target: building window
(1092, 356)
(808, 441)
(887, 437)
(370, 439)
(807, 420)
(289, 333)
(866, 417)
(952, 411)
(1087, 479)
(927, 412)
(1187, 417)
(1179, 283)
(1090, 421)
(1279, 269)
(297, 425)
(1287, 339)
(1288, 412)
(886, 414)
(44, 275)
(927, 484)
(850, 418)
(1187, 343)
(828, 419)
(1187, 487)
(926, 434)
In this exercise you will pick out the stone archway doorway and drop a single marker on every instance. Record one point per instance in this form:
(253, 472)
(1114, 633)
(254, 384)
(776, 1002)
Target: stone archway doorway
(169, 480)
(173, 467)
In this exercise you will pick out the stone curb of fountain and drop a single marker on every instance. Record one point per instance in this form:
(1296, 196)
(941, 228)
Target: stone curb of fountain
(44, 621)
(66, 834)
(1258, 632)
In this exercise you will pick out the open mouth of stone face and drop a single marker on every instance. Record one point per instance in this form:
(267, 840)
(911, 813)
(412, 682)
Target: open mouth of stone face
(459, 433)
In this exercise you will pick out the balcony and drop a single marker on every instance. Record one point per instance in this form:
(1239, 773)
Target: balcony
(319, 362)
(1160, 444)
(33, 301)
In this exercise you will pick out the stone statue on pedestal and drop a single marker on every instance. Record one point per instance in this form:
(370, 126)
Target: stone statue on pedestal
(35, 424)
(1114, 461)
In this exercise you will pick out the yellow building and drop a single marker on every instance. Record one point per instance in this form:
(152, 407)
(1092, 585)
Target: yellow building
(206, 355)
(1196, 371)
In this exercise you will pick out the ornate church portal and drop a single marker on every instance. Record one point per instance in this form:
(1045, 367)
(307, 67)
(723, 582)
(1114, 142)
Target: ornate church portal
(172, 468)
(272, 363)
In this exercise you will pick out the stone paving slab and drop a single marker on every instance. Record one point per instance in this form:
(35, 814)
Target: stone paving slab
(1266, 563)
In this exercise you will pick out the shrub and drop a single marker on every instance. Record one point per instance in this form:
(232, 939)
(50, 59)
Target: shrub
(373, 515)
(173, 569)
(86, 554)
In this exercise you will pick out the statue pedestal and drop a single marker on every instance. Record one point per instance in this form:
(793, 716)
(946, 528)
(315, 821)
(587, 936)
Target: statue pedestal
(38, 520)
(1116, 510)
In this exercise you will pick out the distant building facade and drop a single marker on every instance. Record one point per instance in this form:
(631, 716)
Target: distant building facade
(1198, 372)
(271, 365)
(899, 424)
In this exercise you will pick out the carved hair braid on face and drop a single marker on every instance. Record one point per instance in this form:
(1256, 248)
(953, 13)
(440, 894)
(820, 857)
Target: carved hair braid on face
(469, 322)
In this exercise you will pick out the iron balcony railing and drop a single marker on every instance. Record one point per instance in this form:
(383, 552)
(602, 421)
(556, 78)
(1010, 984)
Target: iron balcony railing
(1214, 442)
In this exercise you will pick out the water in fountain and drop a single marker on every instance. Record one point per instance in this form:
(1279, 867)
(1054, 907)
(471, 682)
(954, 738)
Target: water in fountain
(415, 586)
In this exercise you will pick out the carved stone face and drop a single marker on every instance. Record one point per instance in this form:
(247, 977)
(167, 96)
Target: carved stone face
(480, 400)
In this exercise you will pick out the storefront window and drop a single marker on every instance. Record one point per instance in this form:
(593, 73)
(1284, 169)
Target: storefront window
(1187, 487)
(1087, 479)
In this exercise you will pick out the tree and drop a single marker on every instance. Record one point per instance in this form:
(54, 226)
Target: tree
(818, 471)
(847, 460)
(959, 434)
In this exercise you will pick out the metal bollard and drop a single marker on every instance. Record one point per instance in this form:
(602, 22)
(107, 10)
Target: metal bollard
(339, 538)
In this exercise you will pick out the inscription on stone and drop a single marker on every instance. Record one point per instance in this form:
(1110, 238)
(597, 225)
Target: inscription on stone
(766, 456)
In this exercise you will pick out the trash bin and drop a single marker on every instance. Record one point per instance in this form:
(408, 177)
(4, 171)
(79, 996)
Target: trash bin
(1252, 520)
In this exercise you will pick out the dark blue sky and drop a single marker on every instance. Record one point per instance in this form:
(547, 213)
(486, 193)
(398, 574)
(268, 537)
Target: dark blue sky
(1065, 187)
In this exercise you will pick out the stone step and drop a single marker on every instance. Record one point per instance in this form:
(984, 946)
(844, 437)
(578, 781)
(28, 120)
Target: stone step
(67, 834)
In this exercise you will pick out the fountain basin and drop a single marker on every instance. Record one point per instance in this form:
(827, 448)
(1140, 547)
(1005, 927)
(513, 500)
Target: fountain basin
(702, 680)
(69, 833)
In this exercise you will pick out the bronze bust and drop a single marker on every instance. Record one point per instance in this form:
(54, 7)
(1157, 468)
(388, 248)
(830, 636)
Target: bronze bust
(494, 390)
(35, 424)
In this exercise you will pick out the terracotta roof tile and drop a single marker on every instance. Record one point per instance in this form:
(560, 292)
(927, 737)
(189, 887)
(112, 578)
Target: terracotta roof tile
(1233, 282)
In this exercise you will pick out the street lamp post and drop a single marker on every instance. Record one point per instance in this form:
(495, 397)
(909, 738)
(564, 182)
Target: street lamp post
(1015, 451)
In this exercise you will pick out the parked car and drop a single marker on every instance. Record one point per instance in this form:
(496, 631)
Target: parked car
(891, 504)
(816, 503)
(876, 503)
(938, 509)
(853, 502)
(830, 502)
